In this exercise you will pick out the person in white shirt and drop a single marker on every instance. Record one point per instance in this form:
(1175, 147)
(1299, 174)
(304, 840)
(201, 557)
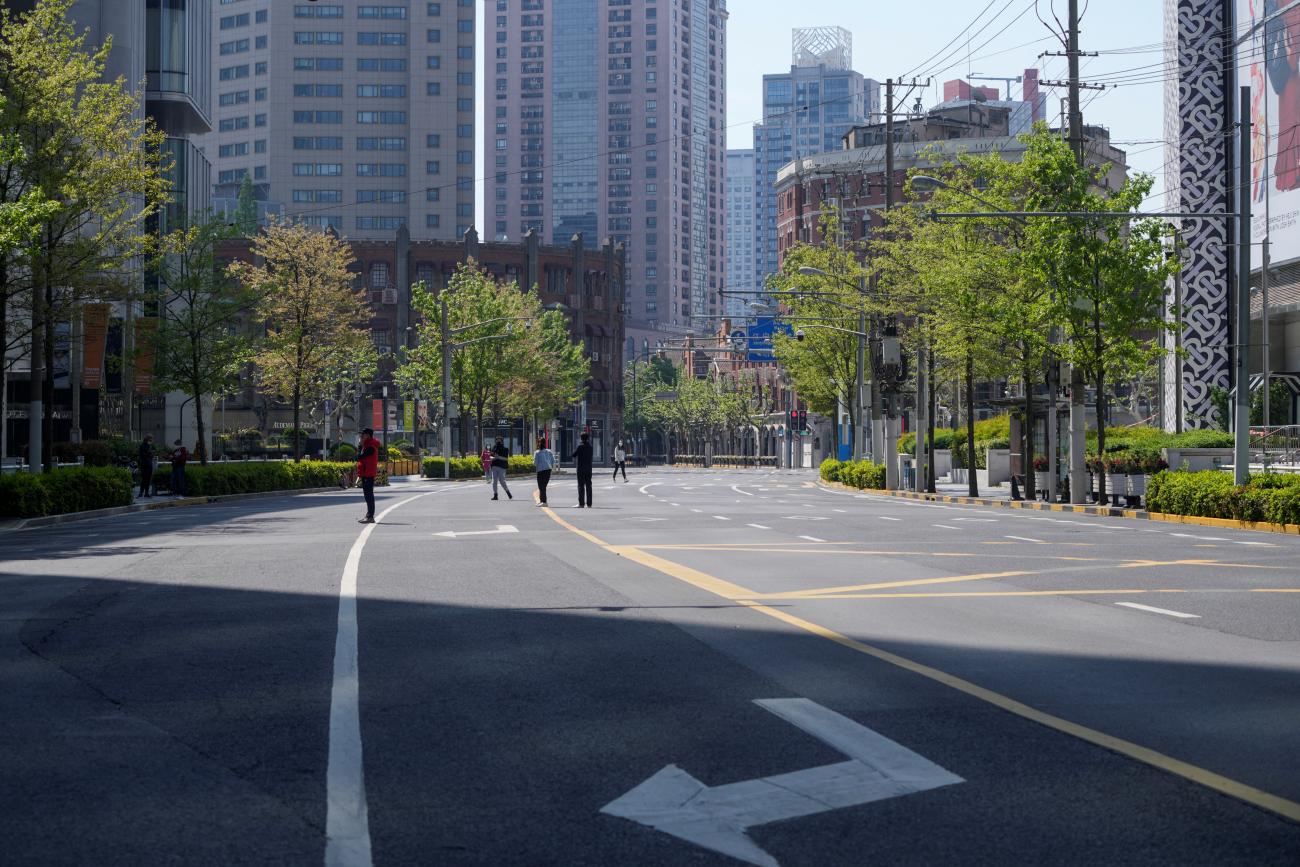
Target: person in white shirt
(620, 461)
(543, 462)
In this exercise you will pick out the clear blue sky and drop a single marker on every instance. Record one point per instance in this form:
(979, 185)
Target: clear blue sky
(896, 38)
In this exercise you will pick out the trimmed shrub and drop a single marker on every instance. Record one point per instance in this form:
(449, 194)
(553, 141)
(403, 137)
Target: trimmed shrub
(255, 477)
(69, 489)
(343, 452)
(1272, 497)
(856, 474)
(472, 468)
(830, 469)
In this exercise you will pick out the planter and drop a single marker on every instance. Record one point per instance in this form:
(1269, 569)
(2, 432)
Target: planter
(1116, 485)
(958, 475)
(1040, 480)
(1137, 485)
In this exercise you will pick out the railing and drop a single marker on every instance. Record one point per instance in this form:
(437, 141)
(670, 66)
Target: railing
(1276, 445)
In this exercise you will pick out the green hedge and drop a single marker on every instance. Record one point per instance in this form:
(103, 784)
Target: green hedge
(1272, 497)
(69, 489)
(472, 468)
(253, 477)
(856, 474)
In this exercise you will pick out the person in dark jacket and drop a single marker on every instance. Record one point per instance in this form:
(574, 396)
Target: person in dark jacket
(367, 469)
(179, 456)
(582, 463)
(145, 461)
(500, 463)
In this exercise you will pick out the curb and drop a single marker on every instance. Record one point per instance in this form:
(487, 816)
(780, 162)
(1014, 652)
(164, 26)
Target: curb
(51, 520)
(1099, 511)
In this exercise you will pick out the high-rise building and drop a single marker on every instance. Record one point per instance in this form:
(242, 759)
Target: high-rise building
(806, 111)
(741, 275)
(359, 117)
(607, 118)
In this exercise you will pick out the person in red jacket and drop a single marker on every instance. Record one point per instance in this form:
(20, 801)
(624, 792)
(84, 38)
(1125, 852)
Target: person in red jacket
(367, 469)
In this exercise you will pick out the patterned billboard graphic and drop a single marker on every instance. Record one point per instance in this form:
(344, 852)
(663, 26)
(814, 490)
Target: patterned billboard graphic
(145, 329)
(94, 319)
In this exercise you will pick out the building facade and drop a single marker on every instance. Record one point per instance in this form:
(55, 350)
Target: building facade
(806, 111)
(607, 118)
(355, 117)
(741, 274)
(589, 282)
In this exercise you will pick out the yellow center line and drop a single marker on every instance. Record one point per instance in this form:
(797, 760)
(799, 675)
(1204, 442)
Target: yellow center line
(1186, 770)
(918, 582)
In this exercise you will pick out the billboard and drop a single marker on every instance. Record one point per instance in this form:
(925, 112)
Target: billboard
(1268, 55)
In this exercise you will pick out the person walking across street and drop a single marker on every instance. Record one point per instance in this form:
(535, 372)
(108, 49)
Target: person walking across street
(145, 461)
(179, 456)
(367, 469)
(582, 462)
(485, 457)
(500, 463)
(543, 462)
(620, 461)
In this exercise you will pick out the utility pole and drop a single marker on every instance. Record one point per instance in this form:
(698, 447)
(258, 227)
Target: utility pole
(1078, 411)
(1241, 441)
(445, 333)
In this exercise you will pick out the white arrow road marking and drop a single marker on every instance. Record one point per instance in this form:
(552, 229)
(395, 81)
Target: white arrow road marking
(716, 817)
(501, 528)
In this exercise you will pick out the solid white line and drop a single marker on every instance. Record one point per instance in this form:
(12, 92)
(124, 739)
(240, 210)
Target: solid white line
(887, 518)
(347, 823)
(1155, 610)
(1026, 539)
(758, 526)
(737, 489)
(812, 538)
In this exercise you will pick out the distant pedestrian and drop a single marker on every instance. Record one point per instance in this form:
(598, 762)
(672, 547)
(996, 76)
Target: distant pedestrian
(582, 462)
(145, 461)
(620, 461)
(485, 458)
(179, 456)
(500, 462)
(367, 469)
(543, 462)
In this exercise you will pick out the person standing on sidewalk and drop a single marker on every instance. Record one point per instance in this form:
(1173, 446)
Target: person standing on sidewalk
(485, 458)
(500, 463)
(543, 462)
(582, 462)
(145, 461)
(178, 457)
(367, 469)
(620, 461)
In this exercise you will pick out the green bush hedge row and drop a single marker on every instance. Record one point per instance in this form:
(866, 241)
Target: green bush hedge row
(252, 477)
(855, 474)
(69, 489)
(472, 468)
(1272, 497)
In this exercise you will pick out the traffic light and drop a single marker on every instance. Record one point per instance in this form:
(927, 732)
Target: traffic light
(803, 420)
(794, 422)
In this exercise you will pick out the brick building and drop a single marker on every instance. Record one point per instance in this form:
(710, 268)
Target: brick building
(590, 282)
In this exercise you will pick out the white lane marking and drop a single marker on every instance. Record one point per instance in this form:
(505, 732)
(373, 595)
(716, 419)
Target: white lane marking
(501, 528)
(716, 817)
(978, 520)
(678, 505)
(347, 822)
(722, 517)
(697, 510)
(839, 510)
(1027, 539)
(1201, 538)
(758, 526)
(804, 518)
(1261, 544)
(812, 538)
(643, 488)
(945, 526)
(887, 518)
(737, 489)
(1155, 610)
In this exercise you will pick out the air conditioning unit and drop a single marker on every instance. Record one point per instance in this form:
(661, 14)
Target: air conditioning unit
(390, 295)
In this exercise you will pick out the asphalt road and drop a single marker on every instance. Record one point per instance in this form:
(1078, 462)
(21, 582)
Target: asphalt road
(959, 685)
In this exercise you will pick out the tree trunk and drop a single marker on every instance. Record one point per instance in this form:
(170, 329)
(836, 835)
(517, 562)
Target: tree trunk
(202, 442)
(47, 421)
(972, 481)
(1101, 439)
(297, 413)
(931, 395)
(36, 383)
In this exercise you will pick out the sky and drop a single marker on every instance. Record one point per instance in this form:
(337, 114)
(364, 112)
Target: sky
(992, 37)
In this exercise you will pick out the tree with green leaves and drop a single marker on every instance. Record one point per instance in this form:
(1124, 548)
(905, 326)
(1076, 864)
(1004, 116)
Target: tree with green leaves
(246, 208)
(200, 347)
(80, 142)
(311, 313)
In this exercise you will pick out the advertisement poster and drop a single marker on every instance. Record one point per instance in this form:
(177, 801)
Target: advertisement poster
(422, 413)
(94, 343)
(144, 332)
(377, 414)
(408, 415)
(1268, 54)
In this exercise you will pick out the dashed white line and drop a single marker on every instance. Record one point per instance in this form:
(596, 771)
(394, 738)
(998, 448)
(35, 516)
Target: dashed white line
(758, 526)
(1027, 539)
(722, 517)
(697, 511)
(838, 510)
(1155, 610)
(887, 518)
(946, 526)
(812, 538)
